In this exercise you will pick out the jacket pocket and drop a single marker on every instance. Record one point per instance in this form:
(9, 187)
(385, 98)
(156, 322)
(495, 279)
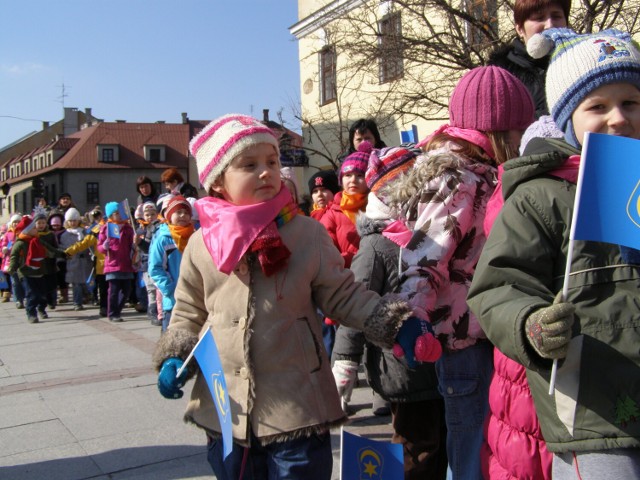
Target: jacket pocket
(311, 348)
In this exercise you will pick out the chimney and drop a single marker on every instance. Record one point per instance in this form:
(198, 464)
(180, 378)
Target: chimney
(45, 125)
(121, 121)
(88, 115)
(185, 119)
(265, 115)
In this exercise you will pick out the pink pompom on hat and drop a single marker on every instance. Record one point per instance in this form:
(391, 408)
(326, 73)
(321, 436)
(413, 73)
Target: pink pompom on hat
(223, 139)
(490, 99)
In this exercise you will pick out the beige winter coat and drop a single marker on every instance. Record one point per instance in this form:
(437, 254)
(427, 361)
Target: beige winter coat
(269, 334)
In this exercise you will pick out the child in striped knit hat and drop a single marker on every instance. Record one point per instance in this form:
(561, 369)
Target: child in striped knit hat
(590, 422)
(254, 274)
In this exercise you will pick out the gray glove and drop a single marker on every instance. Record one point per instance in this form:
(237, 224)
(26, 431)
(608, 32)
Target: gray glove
(548, 329)
(345, 373)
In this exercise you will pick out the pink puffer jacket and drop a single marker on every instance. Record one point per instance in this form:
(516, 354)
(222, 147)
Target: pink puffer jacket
(514, 447)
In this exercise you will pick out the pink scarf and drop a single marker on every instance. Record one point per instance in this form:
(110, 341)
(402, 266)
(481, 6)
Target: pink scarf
(230, 230)
(398, 233)
(474, 136)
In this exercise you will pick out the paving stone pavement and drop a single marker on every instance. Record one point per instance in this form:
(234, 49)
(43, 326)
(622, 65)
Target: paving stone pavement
(78, 400)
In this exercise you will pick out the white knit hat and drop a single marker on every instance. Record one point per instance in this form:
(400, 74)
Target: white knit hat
(581, 64)
(72, 214)
(223, 140)
(16, 217)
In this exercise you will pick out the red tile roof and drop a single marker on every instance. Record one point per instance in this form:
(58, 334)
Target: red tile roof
(131, 139)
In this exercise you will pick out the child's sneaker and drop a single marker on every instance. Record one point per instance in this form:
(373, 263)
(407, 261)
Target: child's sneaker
(115, 319)
(32, 319)
(43, 314)
(19, 305)
(78, 307)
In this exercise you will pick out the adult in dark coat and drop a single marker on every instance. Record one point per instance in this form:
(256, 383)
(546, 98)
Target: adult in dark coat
(531, 17)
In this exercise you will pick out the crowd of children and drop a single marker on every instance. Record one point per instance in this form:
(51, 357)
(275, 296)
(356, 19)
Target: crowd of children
(458, 255)
(100, 259)
(414, 226)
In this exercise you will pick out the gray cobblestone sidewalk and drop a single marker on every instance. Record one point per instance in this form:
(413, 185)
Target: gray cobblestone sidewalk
(78, 400)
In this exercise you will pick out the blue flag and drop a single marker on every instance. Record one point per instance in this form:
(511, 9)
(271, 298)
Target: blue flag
(91, 281)
(123, 209)
(206, 354)
(362, 458)
(608, 194)
(113, 230)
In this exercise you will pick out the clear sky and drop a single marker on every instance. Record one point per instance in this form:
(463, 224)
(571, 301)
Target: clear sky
(145, 60)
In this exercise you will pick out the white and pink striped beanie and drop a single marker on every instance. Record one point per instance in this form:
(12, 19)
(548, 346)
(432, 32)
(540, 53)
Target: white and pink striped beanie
(222, 140)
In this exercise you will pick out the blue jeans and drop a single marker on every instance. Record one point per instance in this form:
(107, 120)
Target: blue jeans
(78, 294)
(18, 288)
(328, 337)
(36, 295)
(303, 458)
(464, 377)
(166, 318)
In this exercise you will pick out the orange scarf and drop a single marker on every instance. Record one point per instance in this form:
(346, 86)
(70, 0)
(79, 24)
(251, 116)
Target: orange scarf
(351, 204)
(181, 235)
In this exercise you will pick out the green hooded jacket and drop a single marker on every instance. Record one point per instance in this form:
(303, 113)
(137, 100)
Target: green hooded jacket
(596, 403)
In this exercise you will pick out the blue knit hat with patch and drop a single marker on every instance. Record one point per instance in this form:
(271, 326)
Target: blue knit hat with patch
(581, 64)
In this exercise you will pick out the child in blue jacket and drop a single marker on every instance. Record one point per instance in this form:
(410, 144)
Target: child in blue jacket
(165, 252)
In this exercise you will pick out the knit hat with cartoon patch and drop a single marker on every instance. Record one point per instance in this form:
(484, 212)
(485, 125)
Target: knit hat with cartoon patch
(581, 64)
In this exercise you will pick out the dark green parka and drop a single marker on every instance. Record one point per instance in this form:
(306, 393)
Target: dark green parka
(596, 404)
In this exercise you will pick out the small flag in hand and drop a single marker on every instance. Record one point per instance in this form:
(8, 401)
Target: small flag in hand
(206, 354)
(113, 230)
(123, 209)
(362, 458)
(608, 194)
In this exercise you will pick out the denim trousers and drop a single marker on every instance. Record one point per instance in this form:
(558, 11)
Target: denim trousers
(78, 293)
(464, 377)
(18, 288)
(166, 318)
(300, 459)
(35, 295)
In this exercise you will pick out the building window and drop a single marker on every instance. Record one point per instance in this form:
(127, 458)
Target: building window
(27, 166)
(93, 193)
(49, 161)
(154, 153)
(108, 153)
(390, 44)
(328, 90)
(486, 13)
(18, 169)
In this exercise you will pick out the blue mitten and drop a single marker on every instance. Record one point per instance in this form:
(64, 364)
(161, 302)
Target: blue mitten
(411, 330)
(168, 384)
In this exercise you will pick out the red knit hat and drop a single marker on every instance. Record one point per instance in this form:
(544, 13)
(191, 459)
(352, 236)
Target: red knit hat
(25, 224)
(490, 99)
(357, 161)
(174, 204)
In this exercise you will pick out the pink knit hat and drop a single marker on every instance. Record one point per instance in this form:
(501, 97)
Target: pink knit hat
(357, 161)
(223, 139)
(490, 99)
